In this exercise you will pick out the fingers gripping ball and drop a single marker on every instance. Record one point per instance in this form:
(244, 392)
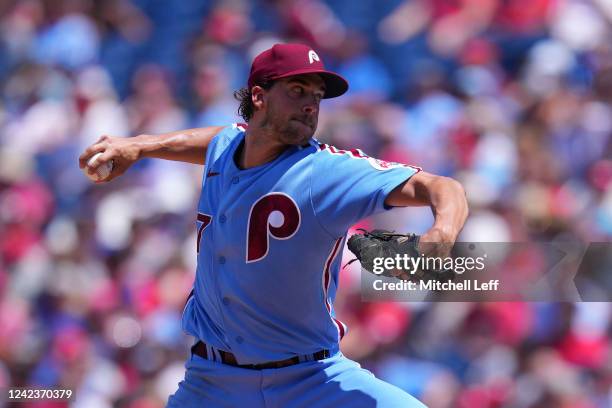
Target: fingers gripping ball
(102, 172)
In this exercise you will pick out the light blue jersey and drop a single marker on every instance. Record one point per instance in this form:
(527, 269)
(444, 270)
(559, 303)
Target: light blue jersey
(269, 244)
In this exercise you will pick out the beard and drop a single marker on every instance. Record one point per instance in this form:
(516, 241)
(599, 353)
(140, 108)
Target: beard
(295, 133)
(292, 130)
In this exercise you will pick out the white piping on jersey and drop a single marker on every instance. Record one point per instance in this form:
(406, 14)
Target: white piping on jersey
(240, 126)
(326, 279)
(357, 154)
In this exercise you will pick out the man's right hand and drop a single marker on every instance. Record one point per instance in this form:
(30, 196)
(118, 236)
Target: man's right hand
(123, 151)
(188, 146)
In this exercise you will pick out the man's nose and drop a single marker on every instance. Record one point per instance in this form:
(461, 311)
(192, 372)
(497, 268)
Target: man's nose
(310, 107)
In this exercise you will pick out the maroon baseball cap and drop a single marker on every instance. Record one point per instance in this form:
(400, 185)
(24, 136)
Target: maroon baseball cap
(284, 60)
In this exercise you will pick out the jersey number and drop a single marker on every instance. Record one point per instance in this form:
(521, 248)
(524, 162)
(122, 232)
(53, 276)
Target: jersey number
(204, 219)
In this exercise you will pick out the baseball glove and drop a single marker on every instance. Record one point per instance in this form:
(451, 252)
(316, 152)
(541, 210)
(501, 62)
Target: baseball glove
(368, 246)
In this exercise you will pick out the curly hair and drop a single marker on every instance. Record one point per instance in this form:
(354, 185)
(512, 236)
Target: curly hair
(244, 96)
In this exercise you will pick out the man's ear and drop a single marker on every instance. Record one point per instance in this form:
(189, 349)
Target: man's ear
(257, 96)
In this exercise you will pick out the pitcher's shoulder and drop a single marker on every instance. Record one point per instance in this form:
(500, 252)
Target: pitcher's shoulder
(226, 136)
(231, 132)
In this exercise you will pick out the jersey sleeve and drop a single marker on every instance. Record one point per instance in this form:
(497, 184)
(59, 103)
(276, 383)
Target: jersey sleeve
(221, 140)
(348, 185)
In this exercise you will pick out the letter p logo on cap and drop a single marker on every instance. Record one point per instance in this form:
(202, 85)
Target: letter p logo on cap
(312, 56)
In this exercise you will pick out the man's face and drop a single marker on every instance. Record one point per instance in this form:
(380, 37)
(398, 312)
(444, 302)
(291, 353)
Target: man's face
(292, 110)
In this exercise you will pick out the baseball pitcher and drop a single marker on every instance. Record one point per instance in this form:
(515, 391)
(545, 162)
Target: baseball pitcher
(272, 219)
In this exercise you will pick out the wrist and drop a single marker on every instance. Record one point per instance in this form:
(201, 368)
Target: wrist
(446, 233)
(142, 145)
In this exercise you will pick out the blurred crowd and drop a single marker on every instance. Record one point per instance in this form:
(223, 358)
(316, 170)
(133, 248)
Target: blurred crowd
(510, 97)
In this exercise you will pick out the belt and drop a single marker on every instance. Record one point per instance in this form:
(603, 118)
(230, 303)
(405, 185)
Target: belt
(228, 358)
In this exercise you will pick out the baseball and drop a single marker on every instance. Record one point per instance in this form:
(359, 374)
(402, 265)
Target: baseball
(102, 172)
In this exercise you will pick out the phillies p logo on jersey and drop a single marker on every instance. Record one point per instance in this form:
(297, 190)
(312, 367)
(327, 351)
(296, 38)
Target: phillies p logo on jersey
(276, 215)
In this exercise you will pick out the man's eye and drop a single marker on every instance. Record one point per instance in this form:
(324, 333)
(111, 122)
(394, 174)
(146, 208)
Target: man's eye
(298, 90)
